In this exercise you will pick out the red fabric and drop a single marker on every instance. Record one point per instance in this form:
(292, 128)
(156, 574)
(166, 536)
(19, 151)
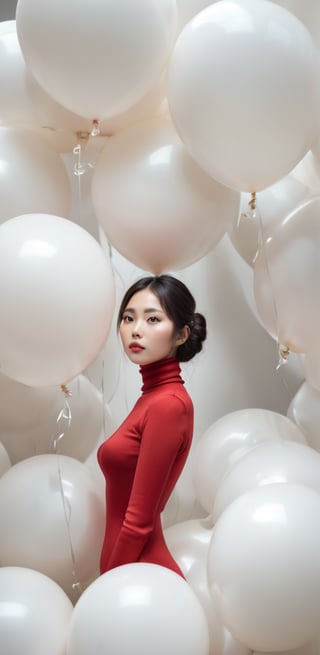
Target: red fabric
(142, 462)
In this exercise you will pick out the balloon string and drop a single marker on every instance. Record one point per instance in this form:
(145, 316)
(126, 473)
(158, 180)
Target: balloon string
(283, 351)
(83, 162)
(63, 422)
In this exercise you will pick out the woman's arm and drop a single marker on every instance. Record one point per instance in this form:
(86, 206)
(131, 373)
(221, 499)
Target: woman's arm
(165, 432)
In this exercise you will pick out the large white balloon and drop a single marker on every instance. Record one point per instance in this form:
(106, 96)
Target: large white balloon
(52, 515)
(97, 59)
(227, 64)
(268, 463)
(138, 609)
(229, 438)
(264, 566)
(286, 280)
(57, 299)
(34, 613)
(33, 177)
(24, 102)
(157, 207)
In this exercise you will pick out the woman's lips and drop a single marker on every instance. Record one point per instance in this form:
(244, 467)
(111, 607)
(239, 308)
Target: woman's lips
(135, 347)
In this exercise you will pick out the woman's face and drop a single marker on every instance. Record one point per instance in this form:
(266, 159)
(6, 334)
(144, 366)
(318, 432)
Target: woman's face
(146, 331)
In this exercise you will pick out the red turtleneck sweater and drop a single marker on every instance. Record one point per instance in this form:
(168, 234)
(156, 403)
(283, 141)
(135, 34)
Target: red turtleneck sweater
(142, 462)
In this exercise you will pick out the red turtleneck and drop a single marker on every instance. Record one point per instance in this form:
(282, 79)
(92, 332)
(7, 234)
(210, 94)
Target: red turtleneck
(142, 462)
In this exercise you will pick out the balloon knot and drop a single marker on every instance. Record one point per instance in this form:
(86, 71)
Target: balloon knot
(67, 392)
(284, 353)
(95, 129)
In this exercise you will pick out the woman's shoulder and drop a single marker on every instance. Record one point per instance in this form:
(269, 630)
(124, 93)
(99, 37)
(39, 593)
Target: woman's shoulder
(170, 399)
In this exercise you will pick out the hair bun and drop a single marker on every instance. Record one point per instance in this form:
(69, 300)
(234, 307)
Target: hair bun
(198, 334)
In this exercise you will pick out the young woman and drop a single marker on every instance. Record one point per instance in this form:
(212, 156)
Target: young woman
(143, 459)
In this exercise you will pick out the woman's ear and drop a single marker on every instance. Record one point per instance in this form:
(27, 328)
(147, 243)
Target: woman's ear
(183, 335)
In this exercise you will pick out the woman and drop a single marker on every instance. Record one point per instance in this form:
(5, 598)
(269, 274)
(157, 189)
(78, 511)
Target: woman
(143, 459)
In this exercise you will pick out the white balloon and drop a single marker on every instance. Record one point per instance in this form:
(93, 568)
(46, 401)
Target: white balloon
(34, 613)
(286, 274)
(33, 177)
(268, 463)
(115, 51)
(229, 438)
(57, 299)
(264, 566)
(304, 410)
(141, 609)
(181, 213)
(224, 114)
(52, 515)
(24, 102)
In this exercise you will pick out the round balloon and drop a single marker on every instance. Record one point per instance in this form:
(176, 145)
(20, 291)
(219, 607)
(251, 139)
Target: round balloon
(33, 177)
(286, 274)
(34, 613)
(52, 514)
(247, 52)
(23, 102)
(229, 438)
(97, 59)
(171, 213)
(264, 566)
(141, 609)
(268, 463)
(57, 299)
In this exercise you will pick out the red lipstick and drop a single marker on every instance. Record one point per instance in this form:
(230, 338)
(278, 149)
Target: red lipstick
(135, 347)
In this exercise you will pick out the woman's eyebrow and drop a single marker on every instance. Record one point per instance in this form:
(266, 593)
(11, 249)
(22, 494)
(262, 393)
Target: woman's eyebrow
(148, 310)
(151, 310)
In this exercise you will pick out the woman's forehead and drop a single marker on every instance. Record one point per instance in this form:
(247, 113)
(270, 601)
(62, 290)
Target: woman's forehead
(145, 299)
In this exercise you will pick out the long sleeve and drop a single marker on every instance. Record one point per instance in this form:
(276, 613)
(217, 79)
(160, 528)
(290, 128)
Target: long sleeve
(163, 450)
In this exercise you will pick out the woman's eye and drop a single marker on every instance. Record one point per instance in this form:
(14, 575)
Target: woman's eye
(153, 319)
(126, 318)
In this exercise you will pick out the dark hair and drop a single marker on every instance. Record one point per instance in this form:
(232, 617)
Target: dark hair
(179, 304)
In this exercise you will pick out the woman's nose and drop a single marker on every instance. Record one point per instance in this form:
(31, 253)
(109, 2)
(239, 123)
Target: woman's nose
(136, 329)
